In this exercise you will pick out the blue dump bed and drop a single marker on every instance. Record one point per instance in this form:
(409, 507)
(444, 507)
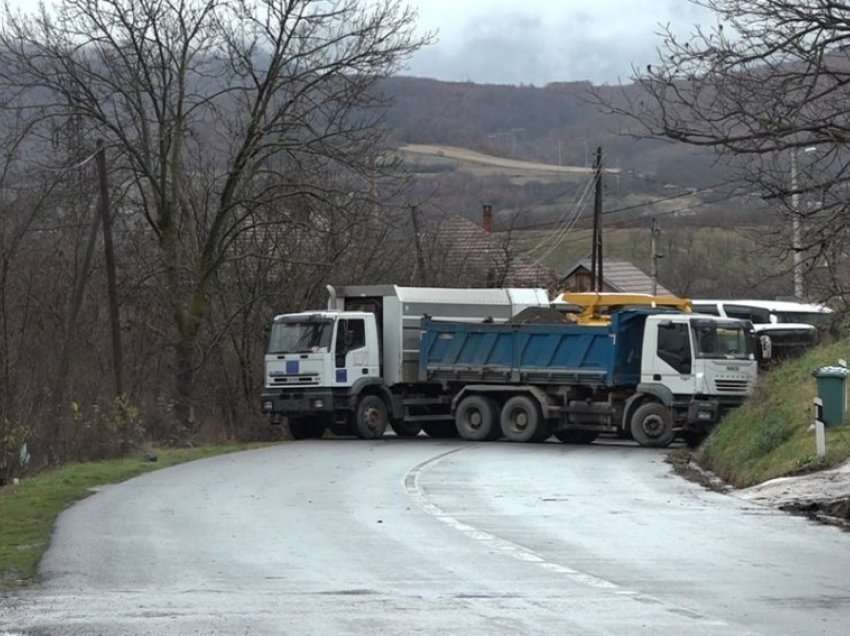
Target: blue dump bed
(533, 353)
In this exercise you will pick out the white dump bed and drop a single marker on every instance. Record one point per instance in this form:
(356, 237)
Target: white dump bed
(399, 311)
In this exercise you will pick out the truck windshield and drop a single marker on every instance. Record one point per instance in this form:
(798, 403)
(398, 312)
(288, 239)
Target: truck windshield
(301, 336)
(721, 341)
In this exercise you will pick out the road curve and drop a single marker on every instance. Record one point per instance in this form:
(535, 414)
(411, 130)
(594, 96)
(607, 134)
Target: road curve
(431, 537)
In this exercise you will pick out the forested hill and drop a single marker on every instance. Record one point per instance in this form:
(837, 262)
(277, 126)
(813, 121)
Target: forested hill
(553, 124)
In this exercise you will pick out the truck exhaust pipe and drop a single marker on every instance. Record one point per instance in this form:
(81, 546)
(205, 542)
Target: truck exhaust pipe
(331, 297)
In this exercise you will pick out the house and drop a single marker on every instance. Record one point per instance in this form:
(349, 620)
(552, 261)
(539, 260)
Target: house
(618, 276)
(459, 252)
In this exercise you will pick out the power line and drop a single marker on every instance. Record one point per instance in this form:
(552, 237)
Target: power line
(551, 241)
(581, 239)
(565, 231)
(641, 205)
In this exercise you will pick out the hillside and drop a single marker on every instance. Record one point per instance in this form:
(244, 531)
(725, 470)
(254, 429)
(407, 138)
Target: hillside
(529, 151)
(768, 437)
(555, 124)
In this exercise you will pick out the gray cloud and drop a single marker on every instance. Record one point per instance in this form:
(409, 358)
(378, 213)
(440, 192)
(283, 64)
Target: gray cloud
(541, 41)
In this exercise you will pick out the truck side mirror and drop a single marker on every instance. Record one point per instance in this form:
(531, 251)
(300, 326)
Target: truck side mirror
(766, 347)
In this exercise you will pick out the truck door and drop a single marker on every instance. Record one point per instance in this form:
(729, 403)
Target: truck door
(673, 361)
(351, 355)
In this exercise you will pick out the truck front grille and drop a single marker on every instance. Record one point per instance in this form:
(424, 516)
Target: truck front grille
(300, 380)
(732, 386)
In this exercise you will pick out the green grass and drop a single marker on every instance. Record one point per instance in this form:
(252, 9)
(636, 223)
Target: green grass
(768, 437)
(29, 510)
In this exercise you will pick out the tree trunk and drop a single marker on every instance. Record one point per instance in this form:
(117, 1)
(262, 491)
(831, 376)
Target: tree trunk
(188, 310)
(184, 378)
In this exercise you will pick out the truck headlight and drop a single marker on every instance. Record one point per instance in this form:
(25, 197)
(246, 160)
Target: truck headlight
(268, 406)
(317, 404)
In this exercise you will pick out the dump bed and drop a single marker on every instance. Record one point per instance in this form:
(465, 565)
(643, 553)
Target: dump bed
(533, 353)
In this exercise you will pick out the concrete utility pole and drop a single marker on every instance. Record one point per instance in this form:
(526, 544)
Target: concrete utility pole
(796, 240)
(420, 260)
(109, 255)
(653, 246)
(596, 274)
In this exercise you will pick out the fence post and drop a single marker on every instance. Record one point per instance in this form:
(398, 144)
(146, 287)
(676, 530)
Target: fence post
(820, 433)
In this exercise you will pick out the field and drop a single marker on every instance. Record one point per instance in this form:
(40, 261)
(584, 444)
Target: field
(477, 162)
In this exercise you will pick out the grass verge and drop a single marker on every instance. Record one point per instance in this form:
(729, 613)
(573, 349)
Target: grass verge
(29, 510)
(768, 437)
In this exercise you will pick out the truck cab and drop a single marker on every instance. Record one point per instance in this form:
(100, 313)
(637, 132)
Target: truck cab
(704, 365)
(313, 361)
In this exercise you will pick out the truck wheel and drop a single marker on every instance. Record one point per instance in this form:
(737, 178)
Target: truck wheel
(652, 425)
(440, 430)
(475, 418)
(521, 420)
(303, 428)
(371, 417)
(405, 429)
(543, 433)
(576, 437)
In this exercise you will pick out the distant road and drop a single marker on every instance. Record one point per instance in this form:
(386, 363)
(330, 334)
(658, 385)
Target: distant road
(432, 537)
(462, 154)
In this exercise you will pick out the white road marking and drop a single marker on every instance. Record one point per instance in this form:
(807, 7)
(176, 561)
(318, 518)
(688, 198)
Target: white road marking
(410, 484)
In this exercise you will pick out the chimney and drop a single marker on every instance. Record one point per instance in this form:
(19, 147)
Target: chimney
(487, 218)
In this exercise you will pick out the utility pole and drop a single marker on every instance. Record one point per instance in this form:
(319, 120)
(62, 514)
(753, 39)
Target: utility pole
(597, 273)
(796, 241)
(420, 260)
(653, 246)
(109, 255)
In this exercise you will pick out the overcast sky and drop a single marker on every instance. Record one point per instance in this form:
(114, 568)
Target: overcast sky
(541, 41)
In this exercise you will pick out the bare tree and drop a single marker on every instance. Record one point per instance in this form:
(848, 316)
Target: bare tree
(211, 110)
(768, 86)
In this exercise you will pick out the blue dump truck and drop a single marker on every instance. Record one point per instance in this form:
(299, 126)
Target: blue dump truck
(383, 356)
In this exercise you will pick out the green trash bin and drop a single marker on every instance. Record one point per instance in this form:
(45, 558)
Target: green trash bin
(832, 389)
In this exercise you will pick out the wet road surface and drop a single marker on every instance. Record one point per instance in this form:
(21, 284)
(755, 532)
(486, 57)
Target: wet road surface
(431, 537)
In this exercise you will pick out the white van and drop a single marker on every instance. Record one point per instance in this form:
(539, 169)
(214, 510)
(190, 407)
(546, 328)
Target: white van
(792, 327)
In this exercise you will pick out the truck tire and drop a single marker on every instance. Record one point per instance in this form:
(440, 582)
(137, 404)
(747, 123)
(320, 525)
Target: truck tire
(475, 418)
(576, 437)
(522, 421)
(305, 428)
(371, 418)
(440, 430)
(405, 429)
(544, 432)
(652, 425)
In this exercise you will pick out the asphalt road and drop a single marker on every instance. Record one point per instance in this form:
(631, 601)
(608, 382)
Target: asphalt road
(430, 537)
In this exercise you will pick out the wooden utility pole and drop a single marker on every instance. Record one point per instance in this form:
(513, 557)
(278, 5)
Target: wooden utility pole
(653, 246)
(597, 274)
(109, 254)
(420, 259)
